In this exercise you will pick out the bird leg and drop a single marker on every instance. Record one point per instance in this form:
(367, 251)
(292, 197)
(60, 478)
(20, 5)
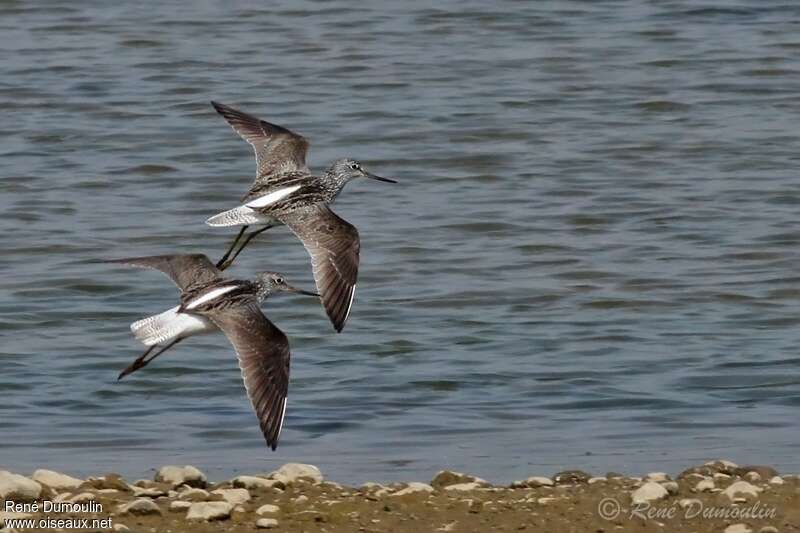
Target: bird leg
(224, 258)
(142, 360)
(222, 265)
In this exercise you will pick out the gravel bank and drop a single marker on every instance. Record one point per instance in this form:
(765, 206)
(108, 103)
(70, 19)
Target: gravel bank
(718, 496)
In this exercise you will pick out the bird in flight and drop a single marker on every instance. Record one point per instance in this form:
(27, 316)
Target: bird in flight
(286, 192)
(208, 303)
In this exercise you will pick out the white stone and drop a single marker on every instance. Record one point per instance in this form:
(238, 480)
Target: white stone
(195, 495)
(671, 486)
(464, 487)
(180, 475)
(293, 472)
(650, 491)
(268, 508)
(18, 488)
(596, 479)
(83, 497)
(209, 511)
(301, 499)
(233, 496)
(56, 480)
(179, 505)
(150, 492)
(704, 485)
(777, 480)
(253, 482)
(768, 529)
(658, 477)
(539, 481)
(741, 487)
(413, 488)
(738, 528)
(122, 528)
(139, 507)
(546, 500)
(266, 523)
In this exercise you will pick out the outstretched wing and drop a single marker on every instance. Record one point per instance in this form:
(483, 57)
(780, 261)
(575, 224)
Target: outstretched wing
(334, 248)
(183, 269)
(263, 352)
(277, 149)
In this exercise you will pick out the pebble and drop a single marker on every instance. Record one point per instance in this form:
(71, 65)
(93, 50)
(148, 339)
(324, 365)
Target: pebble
(445, 478)
(768, 529)
(83, 497)
(109, 481)
(570, 477)
(253, 482)
(140, 507)
(671, 486)
(294, 472)
(705, 485)
(413, 488)
(266, 523)
(738, 528)
(233, 496)
(122, 528)
(533, 482)
(56, 480)
(194, 495)
(776, 480)
(596, 479)
(149, 492)
(268, 508)
(179, 505)
(741, 487)
(181, 475)
(64, 496)
(209, 511)
(301, 499)
(657, 477)
(18, 488)
(464, 487)
(648, 492)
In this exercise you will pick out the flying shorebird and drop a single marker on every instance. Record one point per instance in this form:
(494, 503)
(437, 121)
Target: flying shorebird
(209, 303)
(286, 192)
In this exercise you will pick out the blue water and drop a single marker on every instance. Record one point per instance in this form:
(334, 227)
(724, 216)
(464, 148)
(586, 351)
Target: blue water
(591, 260)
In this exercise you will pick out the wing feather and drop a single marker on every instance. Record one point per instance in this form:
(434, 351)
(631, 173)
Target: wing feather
(263, 353)
(278, 150)
(334, 247)
(183, 269)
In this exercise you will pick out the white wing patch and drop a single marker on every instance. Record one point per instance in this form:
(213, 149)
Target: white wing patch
(350, 305)
(271, 198)
(207, 297)
(283, 415)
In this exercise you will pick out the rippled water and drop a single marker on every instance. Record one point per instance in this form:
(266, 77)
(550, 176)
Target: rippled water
(591, 260)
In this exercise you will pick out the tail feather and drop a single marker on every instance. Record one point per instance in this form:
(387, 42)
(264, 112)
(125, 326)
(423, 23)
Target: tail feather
(238, 216)
(166, 326)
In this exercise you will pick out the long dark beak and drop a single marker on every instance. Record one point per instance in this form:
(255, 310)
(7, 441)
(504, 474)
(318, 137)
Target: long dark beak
(378, 178)
(300, 291)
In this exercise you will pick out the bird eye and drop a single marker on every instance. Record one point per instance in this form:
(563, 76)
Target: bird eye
(355, 166)
(279, 279)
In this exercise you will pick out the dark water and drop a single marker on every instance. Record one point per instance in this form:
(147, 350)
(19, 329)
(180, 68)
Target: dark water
(591, 260)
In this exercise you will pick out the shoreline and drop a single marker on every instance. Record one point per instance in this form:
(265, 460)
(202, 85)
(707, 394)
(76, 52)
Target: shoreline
(718, 496)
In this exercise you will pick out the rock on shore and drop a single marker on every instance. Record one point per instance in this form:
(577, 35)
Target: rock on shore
(296, 497)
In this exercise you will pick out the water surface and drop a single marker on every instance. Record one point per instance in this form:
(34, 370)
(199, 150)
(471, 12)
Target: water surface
(590, 261)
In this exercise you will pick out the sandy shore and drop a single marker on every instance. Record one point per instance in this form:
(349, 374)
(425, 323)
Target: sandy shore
(718, 497)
